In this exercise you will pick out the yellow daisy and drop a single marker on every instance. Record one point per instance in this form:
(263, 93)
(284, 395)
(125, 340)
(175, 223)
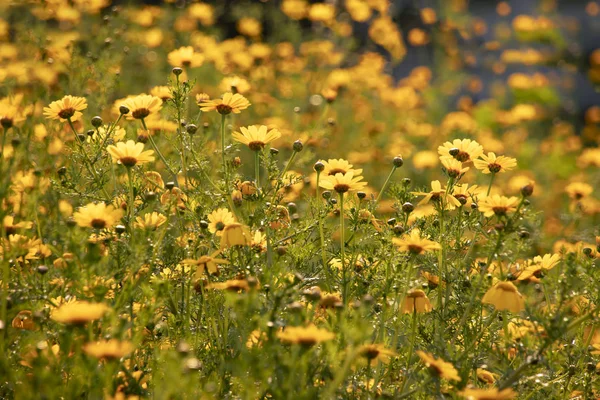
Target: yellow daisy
(130, 153)
(256, 137)
(97, 216)
(68, 107)
(142, 106)
(491, 164)
(230, 103)
(497, 205)
(413, 243)
(343, 183)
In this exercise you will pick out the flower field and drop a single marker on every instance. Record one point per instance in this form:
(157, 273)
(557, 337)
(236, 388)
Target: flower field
(260, 200)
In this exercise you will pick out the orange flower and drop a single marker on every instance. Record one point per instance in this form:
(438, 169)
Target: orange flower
(504, 296)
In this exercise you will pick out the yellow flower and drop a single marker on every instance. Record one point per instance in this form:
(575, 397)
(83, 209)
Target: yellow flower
(150, 221)
(497, 205)
(375, 353)
(205, 263)
(162, 92)
(218, 219)
(415, 244)
(337, 166)
(97, 216)
(486, 376)
(539, 264)
(10, 228)
(232, 285)
(439, 367)
(343, 183)
(235, 234)
(306, 336)
(130, 154)
(321, 12)
(491, 164)
(488, 394)
(463, 150)
(79, 312)
(416, 301)
(466, 194)
(108, 349)
(230, 103)
(24, 320)
(504, 296)
(234, 84)
(68, 107)
(453, 167)
(142, 106)
(249, 27)
(438, 195)
(578, 190)
(256, 137)
(185, 57)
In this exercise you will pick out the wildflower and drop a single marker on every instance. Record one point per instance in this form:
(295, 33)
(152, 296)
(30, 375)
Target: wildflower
(438, 194)
(249, 27)
(10, 115)
(130, 154)
(465, 194)
(497, 205)
(578, 190)
(539, 264)
(235, 234)
(453, 167)
(504, 296)
(415, 244)
(23, 320)
(218, 219)
(343, 183)
(108, 349)
(69, 107)
(97, 216)
(230, 103)
(10, 228)
(439, 367)
(491, 164)
(205, 263)
(185, 57)
(375, 353)
(142, 106)
(488, 394)
(336, 166)
(150, 221)
(162, 92)
(234, 84)
(321, 12)
(486, 376)
(259, 242)
(79, 312)
(232, 285)
(306, 336)
(416, 301)
(463, 150)
(256, 137)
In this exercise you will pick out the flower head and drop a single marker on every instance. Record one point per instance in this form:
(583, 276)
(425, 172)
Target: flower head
(491, 164)
(335, 166)
(498, 205)
(256, 137)
(108, 349)
(230, 103)
(69, 107)
(97, 216)
(416, 301)
(504, 296)
(219, 219)
(462, 150)
(142, 106)
(488, 394)
(306, 336)
(439, 367)
(415, 244)
(79, 312)
(185, 57)
(130, 153)
(150, 220)
(453, 167)
(205, 263)
(343, 183)
(375, 353)
(438, 195)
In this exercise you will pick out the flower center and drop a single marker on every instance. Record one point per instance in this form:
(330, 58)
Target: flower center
(98, 223)
(500, 210)
(494, 168)
(6, 122)
(256, 146)
(336, 171)
(341, 188)
(220, 226)
(462, 199)
(66, 113)
(371, 353)
(224, 109)
(462, 156)
(128, 161)
(140, 113)
(186, 63)
(415, 248)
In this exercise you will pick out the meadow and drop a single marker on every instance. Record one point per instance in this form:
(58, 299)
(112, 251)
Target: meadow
(243, 200)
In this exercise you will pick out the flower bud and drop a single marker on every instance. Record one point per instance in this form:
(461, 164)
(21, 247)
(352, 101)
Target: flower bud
(408, 207)
(273, 151)
(123, 110)
(527, 190)
(96, 121)
(319, 167)
(177, 71)
(398, 162)
(297, 146)
(361, 195)
(191, 129)
(236, 197)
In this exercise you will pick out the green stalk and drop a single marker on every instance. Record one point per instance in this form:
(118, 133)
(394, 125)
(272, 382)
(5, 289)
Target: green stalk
(257, 170)
(385, 184)
(491, 182)
(343, 250)
(131, 203)
(225, 172)
(163, 159)
(321, 235)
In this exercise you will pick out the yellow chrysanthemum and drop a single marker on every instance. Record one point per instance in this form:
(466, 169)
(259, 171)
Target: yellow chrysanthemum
(439, 367)
(230, 103)
(256, 137)
(108, 349)
(79, 312)
(185, 57)
(130, 153)
(504, 296)
(97, 216)
(219, 219)
(343, 183)
(463, 150)
(150, 221)
(68, 107)
(497, 205)
(306, 336)
(492, 164)
(142, 106)
(415, 244)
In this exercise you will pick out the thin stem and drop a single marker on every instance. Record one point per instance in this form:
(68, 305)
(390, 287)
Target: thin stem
(491, 182)
(88, 163)
(343, 250)
(411, 346)
(225, 172)
(321, 235)
(131, 202)
(163, 159)
(257, 169)
(385, 184)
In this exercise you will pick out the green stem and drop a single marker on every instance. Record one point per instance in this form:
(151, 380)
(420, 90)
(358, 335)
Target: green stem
(257, 169)
(321, 235)
(411, 346)
(385, 184)
(225, 172)
(163, 159)
(490, 185)
(343, 251)
(131, 203)
(90, 167)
